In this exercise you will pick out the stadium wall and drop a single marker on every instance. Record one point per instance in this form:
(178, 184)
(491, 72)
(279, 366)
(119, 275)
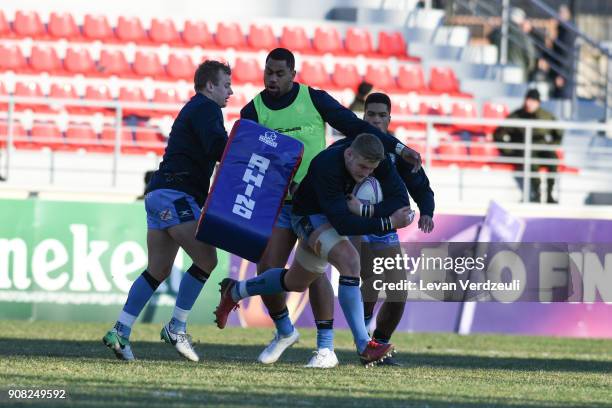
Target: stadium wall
(66, 260)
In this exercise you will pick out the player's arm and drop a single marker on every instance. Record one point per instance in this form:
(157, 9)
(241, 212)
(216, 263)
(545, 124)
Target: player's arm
(249, 112)
(332, 200)
(394, 192)
(208, 126)
(346, 122)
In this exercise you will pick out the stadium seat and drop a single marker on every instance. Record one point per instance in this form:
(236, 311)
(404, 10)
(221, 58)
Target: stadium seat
(465, 109)
(148, 65)
(167, 96)
(148, 140)
(96, 27)
(483, 151)
(82, 136)
(195, 33)
(5, 27)
(28, 24)
(247, 71)
(30, 90)
(78, 61)
(133, 94)
(11, 58)
(180, 66)
(229, 35)
(261, 37)
(432, 108)
(45, 134)
(443, 80)
(410, 78)
(164, 32)
(451, 152)
(380, 76)
(3, 92)
(492, 110)
(295, 39)
(113, 62)
(109, 133)
(327, 40)
(358, 41)
(313, 73)
(19, 133)
(392, 44)
(129, 29)
(62, 25)
(65, 91)
(346, 76)
(45, 59)
(98, 93)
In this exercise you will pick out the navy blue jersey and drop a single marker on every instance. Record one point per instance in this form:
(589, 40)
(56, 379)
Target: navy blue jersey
(332, 112)
(196, 143)
(416, 183)
(327, 183)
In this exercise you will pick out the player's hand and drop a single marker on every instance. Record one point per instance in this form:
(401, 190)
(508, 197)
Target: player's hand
(413, 157)
(426, 224)
(402, 218)
(354, 204)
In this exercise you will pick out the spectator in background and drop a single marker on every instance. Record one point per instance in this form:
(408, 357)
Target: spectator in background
(563, 50)
(532, 110)
(363, 90)
(521, 50)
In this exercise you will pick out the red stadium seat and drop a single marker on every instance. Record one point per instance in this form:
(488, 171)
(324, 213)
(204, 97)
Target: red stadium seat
(261, 37)
(180, 66)
(247, 71)
(492, 110)
(62, 25)
(30, 90)
(229, 35)
(28, 24)
(148, 65)
(358, 41)
(295, 39)
(5, 27)
(314, 74)
(380, 76)
(411, 79)
(346, 76)
(45, 60)
(11, 58)
(196, 33)
(432, 108)
(65, 91)
(78, 61)
(109, 134)
(443, 80)
(97, 28)
(133, 94)
(82, 136)
(391, 44)
(327, 40)
(46, 134)
(164, 32)
(129, 29)
(98, 93)
(465, 109)
(166, 96)
(451, 152)
(19, 133)
(113, 62)
(148, 140)
(3, 92)
(483, 151)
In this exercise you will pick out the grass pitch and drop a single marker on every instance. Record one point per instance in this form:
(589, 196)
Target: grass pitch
(439, 370)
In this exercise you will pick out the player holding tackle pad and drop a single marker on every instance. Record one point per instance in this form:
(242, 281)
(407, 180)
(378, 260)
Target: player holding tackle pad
(322, 220)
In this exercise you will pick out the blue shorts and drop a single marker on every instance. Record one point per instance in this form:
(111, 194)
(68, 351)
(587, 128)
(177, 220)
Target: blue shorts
(166, 208)
(304, 225)
(284, 217)
(390, 238)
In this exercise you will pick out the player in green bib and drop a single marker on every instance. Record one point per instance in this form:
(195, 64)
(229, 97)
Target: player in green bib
(300, 111)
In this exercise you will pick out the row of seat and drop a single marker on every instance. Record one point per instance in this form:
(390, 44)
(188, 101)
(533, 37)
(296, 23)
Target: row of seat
(326, 39)
(139, 140)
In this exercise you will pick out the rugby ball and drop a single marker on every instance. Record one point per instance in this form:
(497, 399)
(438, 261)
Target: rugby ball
(368, 191)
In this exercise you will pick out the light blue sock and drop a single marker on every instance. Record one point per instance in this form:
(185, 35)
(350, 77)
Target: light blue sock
(349, 296)
(325, 334)
(283, 324)
(268, 283)
(141, 291)
(189, 290)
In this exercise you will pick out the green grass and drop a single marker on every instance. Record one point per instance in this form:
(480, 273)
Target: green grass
(440, 370)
